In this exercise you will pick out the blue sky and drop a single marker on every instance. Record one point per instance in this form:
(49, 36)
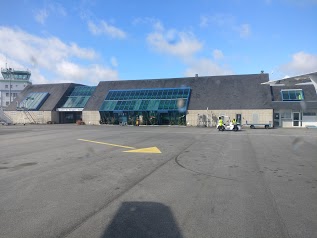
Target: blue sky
(90, 41)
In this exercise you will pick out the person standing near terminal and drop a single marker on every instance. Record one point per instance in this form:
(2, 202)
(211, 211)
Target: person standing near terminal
(234, 123)
(220, 124)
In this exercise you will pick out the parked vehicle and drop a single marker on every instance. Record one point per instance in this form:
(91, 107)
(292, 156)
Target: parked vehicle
(229, 127)
(260, 125)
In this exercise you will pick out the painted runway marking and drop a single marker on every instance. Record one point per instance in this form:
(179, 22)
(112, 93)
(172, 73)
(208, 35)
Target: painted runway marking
(149, 150)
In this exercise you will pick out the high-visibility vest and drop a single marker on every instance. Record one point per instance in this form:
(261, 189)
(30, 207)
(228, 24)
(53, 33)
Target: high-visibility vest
(234, 122)
(220, 122)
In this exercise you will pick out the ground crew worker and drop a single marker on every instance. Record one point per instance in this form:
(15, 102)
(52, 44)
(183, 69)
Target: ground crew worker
(234, 123)
(300, 97)
(220, 123)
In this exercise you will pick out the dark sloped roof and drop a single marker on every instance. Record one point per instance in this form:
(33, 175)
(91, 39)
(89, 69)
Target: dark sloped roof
(310, 98)
(214, 92)
(309, 92)
(57, 95)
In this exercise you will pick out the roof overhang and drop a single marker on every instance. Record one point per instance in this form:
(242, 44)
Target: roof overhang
(304, 79)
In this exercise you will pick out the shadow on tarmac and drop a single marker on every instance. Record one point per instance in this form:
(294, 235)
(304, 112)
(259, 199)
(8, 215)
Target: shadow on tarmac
(143, 220)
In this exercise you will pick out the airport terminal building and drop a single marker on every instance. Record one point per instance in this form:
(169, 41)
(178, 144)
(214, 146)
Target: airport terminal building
(189, 101)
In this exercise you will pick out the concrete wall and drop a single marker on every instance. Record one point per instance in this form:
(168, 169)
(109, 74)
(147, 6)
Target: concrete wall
(40, 117)
(91, 117)
(194, 117)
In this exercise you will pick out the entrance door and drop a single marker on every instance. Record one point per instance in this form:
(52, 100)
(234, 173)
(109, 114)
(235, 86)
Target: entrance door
(70, 117)
(238, 118)
(297, 119)
(276, 119)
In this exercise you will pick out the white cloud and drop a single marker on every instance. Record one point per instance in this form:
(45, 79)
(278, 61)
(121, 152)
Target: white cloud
(50, 59)
(52, 9)
(226, 22)
(205, 66)
(114, 61)
(82, 52)
(172, 42)
(244, 30)
(301, 63)
(71, 72)
(57, 8)
(106, 29)
(221, 20)
(41, 16)
(217, 54)
(154, 22)
(184, 46)
(204, 21)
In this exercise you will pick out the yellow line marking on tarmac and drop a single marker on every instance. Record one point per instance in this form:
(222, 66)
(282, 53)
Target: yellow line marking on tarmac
(104, 143)
(152, 150)
(149, 150)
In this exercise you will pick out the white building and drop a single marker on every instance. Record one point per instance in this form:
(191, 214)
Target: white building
(13, 82)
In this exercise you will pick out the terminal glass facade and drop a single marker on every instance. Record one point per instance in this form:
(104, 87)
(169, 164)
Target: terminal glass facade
(79, 97)
(33, 101)
(71, 111)
(159, 106)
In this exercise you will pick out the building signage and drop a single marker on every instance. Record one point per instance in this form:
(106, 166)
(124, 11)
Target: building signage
(70, 109)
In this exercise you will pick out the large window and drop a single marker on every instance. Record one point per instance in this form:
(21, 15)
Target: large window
(156, 106)
(169, 99)
(309, 114)
(79, 97)
(286, 115)
(292, 95)
(34, 101)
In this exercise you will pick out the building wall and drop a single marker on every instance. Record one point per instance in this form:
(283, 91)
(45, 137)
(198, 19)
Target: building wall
(91, 117)
(16, 87)
(39, 117)
(287, 117)
(309, 121)
(200, 117)
(54, 117)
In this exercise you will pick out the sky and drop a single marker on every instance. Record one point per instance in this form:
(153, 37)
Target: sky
(87, 41)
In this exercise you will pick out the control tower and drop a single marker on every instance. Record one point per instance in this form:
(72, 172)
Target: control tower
(13, 82)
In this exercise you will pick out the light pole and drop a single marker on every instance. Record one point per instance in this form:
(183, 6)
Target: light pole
(9, 71)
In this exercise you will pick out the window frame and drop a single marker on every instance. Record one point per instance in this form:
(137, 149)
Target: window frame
(292, 95)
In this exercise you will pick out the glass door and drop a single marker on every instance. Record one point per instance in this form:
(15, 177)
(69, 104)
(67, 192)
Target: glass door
(297, 121)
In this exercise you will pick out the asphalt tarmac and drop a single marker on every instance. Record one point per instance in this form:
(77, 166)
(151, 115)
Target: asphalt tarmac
(122, 181)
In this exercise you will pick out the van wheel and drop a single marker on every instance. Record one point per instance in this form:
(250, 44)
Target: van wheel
(266, 126)
(252, 127)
